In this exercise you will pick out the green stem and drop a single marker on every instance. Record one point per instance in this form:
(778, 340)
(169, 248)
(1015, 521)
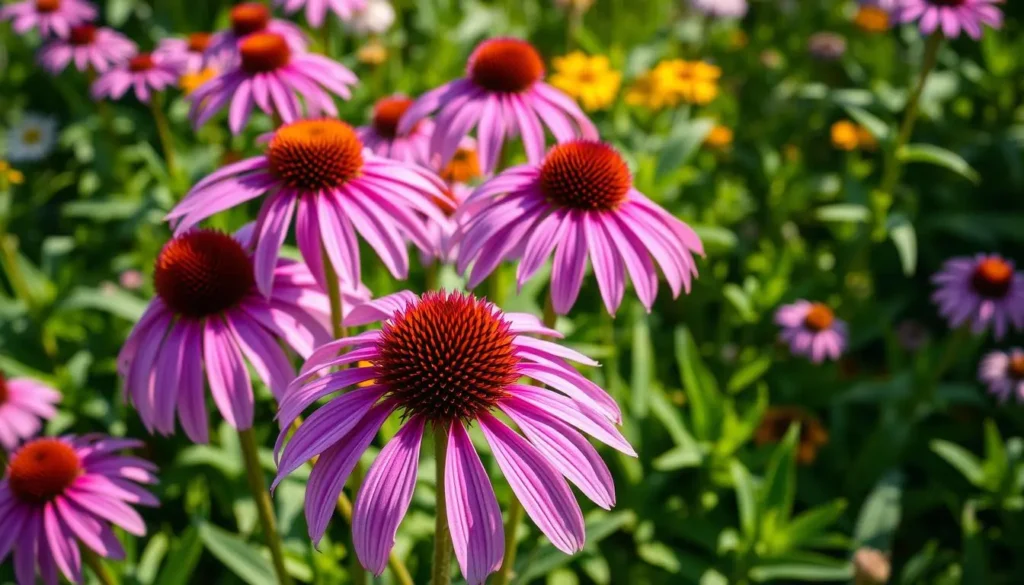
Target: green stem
(401, 574)
(430, 275)
(264, 507)
(92, 560)
(496, 286)
(338, 328)
(12, 266)
(163, 130)
(442, 538)
(893, 165)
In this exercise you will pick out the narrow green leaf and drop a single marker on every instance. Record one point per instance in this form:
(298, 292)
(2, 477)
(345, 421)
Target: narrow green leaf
(668, 414)
(242, 558)
(870, 122)
(748, 374)
(843, 212)
(904, 237)
(812, 524)
(182, 559)
(746, 498)
(938, 156)
(880, 514)
(779, 489)
(681, 457)
(705, 407)
(962, 459)
(681, 145)
(996, 464)
(643, 370)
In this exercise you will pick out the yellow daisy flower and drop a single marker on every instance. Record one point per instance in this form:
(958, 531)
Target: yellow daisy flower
(694, 82)
(872, 19)
(190, 82)
(590, 80)
(651, 91)
(844, 135)
(719, 138)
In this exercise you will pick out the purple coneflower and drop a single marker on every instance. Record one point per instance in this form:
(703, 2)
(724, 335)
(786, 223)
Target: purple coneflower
(189, 53)
(61, 492)
(812, 330)
(503, 95)
(87, 47)
(250, 18)
(318, 171)
(316, 10)
(382, 136)
(950, 15)
(1003, 373)
(53, 18)
(24, 403)
(580, 203)
(145, 73)
(982, 291)
(272, 76)
(449, 360)
(208, 312)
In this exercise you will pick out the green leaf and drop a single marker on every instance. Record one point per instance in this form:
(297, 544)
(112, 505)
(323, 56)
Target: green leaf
(975, 559)
(681, 145)
(962, 459)
(903, 236)
(935, 155)
(668, 414)
(149, 562)
(114, 301)
(827, 569)
(779, 488)
(716, 238)
(870, 122)
(843, 212)
(681, 457)
(746, 498)
(812, 524)
(996, 465)
(748, 374)
(643, 370)
(242, 558)
(182, 559)
(880, 514)
(599, 525)
(740, 301)
(705, 402)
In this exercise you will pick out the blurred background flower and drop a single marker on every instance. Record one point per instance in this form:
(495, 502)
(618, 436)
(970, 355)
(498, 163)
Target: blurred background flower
(31, 138)
(590, 80)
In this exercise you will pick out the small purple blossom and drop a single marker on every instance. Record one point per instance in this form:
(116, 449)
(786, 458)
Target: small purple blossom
(53, 18)
(383, 138)
(247, 19)
(981, 291)
(190, 54)
(24, 404)
(145, 73)
(812, 330)
(87, 47)
(316, 10)
(721, 8)
(1003, 373)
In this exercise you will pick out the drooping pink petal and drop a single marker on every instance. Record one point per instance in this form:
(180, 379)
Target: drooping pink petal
(474, 518)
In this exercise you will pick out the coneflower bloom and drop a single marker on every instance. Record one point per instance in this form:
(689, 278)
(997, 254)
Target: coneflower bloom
(145, 73)
(319, 172)
(1003, 373)
(450, 360)
(24, 404)
(457, 174)
(207, 314)
(503, 95)
(88, 47)
(53, 18)
(189, 53)
(382, 136)
(981, 291)
(250, 18)
(951, 16)
(272, 76)
(578, 202)
(316, 10)
(59, 492)
(812, 330)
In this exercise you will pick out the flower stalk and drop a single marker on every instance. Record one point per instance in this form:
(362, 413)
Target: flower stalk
(442, 537)
(163, 130)
(100, 570)
(264, 506)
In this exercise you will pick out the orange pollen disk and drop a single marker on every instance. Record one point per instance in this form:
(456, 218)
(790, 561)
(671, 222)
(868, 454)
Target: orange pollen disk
(463, 168)
(311, 155)
(386, 114)
(1015, 368)
(506, 65)
(47, 5)
(992, 278)
(83, 34)
(141, 62)
(249, 18)
(585, 175)
(819, 317)
(202, 273)
(448, 357)
(42, 470)
(199, 42)
(264, 52)
(5, 393)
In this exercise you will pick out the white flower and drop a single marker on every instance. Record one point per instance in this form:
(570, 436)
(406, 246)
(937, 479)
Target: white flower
(32, 138)
(721, 8)
(376, 18)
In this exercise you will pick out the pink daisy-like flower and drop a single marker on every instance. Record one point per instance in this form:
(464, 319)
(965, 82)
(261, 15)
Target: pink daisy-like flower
(60, 492)
(52, 17)
(382, 136)
(250, 18)
(24, 404)
(450, 360)
(951, 15)
(189, 53)
(812, 330)
(503, 95)
(145, 73)
(578, 202)
(88, 47)
(463, 169)
(318, 171)
(207, 312)
(316, 10)
(982, 291)
(270, 75)
(1003, 373)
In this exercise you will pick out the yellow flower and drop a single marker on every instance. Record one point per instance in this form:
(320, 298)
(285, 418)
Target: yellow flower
(10, 175)
(4, 165)
(589, 80)
(693, 82)
(15, 177)
(719, 138)
(463, 168)
(844, 135)
(372, 53)
(872, 19)
(651, 91)
(865, 139)
(190, 82)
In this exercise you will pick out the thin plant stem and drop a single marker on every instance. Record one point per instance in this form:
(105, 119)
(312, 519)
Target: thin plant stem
(338, 328)
(430, 275)
(893, 165)
(442, 537)
(264, 506)
(163, 130)
(398, 569)
(11, 262)
(93, 561)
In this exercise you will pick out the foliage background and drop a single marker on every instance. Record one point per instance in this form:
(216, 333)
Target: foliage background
(919, 462)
